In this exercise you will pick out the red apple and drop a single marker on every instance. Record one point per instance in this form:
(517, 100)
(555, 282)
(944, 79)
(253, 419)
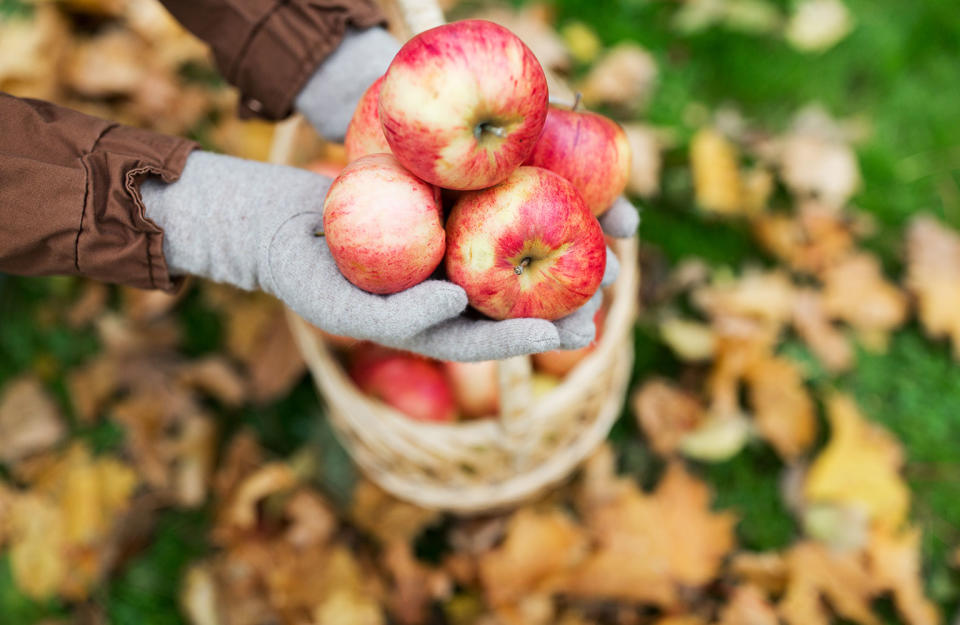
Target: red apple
(410, 384)
(560, 362)
(589, 150)
(364, 134)
(527, 247)
(463, 104)
(475, 387)
(384, 226)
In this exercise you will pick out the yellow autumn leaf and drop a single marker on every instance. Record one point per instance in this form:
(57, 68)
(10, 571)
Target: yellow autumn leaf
(716, 173)
(895, 565)
(860, 465)
(36, 535)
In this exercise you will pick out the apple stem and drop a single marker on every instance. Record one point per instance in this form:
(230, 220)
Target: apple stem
(318, 233)
(576, 101)
(523, 263)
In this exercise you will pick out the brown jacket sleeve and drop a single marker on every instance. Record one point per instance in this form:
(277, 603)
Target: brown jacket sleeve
(269, 48)
(69, 202)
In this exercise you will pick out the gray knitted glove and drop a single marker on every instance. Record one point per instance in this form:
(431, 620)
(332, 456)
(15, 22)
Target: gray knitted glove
(253, 225)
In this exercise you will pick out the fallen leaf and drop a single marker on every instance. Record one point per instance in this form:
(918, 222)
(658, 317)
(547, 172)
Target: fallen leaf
(842, 527)
(855, 291)
(860, 465)
(816, 573)
(538, 551)
(536, 31)
(814, 238)
(240, 511)
(198, 597)
(623, 77)
(933, 277)
(414, 585)
(689, 340)
(817, 25)
(666, 414)
(896, 566)
(812, 166)
(31, 50)
(215, 376)
(782, 407)
(30, 421)
(90, 305)
(764, 570)
(647, 546)
(277, 365)
(193, 459)
(812, 324)
(108, 64)
(748, 606)
(312, 521)
(719, 437)
(766, 296)
(36, 538)
(92, 385)
(386, 517)
(716, 173)
(581, 41)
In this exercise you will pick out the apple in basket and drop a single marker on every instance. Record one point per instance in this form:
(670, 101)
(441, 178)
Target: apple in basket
(462, 104)
(364, 134)
(589, 150)
(560, 362)
(527, 247)
(475, 387)
(384, 226)
(415, 386)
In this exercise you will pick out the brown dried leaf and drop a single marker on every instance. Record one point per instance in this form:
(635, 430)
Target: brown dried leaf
(276, 365)
(148, 305)
(241, 458)
(782, 407)
(719, 437)
(748, 606)
(539, 550)
(815, 573)
(716, 173)
(122, 337)
(690, 340)
(414, 585)
(108, 64)
(855, 291)
(623, 77)
(198, 596)
(312, 522)
(216, 377)
(30, 52)
(194, 459)
(933, 276)
(648, 546)
(812, 324)
(247, 139)
(895, 566)
(666, 414)
(815, 238)
(92, 385)
(814, 166)
(240, 512)
(388, 518)
(30, 421)
(764, 296)
(859, 466)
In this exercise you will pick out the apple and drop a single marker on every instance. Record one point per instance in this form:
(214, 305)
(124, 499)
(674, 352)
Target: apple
(463, 104)
(364, 134)
(589, 150)
(475, 387)
(560, 362)
(410, 384)
(527, 247)
(384, 226)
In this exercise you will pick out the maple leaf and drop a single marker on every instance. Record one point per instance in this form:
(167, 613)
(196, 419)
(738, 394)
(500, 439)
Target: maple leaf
(646, 546)
(666, 414)
(860, 465)
(539, 550)
(816, 572)
(30, 421)
(748, 606)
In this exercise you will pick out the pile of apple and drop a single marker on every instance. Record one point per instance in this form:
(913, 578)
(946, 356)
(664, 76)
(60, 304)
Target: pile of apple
(462, 115)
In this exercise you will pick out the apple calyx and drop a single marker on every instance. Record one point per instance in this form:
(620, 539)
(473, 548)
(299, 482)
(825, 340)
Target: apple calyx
(483, 128)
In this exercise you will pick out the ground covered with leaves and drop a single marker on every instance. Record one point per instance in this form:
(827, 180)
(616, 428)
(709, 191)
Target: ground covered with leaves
(788, 452)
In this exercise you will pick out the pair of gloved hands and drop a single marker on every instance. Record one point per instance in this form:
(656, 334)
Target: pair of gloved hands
(253, 225)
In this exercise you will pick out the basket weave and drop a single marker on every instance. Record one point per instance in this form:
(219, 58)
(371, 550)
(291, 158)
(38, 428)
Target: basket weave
(483, 465)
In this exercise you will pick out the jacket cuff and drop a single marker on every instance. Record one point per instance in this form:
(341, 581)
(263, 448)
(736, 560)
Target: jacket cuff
(117, 242)
(287, 46)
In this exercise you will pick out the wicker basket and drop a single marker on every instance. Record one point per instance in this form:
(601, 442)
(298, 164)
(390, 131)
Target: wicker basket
(478, 466)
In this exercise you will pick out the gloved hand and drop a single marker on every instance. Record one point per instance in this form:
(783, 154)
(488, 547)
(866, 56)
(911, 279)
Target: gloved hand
(253, 225)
